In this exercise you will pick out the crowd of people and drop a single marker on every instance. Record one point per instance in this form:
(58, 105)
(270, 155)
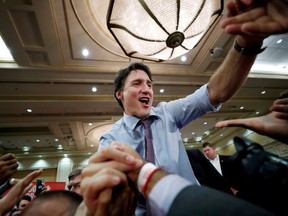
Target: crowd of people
(121, 180)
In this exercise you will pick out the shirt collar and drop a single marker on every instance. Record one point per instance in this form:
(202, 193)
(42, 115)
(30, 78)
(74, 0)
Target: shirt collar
(131, 121)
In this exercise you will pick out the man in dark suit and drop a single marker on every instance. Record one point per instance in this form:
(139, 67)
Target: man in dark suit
(210, 169)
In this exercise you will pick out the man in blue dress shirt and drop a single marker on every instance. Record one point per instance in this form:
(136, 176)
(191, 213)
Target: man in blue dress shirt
(134, 93)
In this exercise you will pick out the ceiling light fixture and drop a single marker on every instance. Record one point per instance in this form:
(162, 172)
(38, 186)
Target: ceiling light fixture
(85, 52)
(183, 58)
(279, 41)
(160, 30)
(94, 89)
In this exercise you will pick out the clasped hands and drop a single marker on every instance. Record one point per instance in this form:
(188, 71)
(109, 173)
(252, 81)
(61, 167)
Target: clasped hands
(109, 182)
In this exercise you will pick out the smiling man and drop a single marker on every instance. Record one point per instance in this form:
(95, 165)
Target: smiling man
(134, 93)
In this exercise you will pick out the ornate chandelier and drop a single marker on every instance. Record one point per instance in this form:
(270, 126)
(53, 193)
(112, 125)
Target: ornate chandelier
(160, 30)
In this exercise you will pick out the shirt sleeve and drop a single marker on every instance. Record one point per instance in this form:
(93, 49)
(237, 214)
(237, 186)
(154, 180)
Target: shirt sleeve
(164, 192)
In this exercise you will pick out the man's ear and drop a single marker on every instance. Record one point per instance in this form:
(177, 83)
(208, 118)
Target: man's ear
(119, 95)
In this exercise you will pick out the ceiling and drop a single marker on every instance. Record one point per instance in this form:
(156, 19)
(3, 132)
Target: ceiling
(52, 77)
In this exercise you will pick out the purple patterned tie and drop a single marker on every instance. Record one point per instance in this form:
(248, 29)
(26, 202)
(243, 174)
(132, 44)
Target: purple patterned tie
(149, 150)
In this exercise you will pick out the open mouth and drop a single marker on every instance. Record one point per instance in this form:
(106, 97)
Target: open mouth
(144, 100)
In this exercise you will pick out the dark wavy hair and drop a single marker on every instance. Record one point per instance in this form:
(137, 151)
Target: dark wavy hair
(121, 76)
(207, 144)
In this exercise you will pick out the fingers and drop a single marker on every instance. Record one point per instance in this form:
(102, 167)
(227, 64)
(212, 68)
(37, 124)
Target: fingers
(282, 115)
(283, 102)
(25, 182)
(93, 168)
(8, 164)
(104, 202)
(230, 123)
(280, 105)
(111, 153)
(256, 17)
(9, 160)
(248, 16)
(92, 187)
(83, 210)
(20, 189)
(115, 153)
(7, 157)
(253, 22)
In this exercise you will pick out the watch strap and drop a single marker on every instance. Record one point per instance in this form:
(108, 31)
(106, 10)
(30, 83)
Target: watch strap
(249, 51)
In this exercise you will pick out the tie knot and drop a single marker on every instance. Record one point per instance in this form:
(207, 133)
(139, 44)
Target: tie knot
(146, 122)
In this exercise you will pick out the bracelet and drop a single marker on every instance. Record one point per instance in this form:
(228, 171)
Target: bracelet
(145, 175)
(249, 51)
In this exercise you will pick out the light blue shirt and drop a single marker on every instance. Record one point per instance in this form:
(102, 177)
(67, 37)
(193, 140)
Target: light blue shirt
(161, 196)
(170, 153)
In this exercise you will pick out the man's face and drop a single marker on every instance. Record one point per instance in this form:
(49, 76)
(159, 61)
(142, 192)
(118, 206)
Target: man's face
(74, 184)
(209, 152)
(137, 94)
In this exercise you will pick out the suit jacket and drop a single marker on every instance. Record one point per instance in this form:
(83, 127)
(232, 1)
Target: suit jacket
(206, 173)
(197, 201)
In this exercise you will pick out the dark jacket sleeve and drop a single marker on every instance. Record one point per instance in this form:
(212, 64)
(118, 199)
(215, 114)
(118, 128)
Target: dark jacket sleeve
(201, 200)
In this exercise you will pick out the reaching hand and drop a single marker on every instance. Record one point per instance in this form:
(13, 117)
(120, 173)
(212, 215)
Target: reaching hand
(256, 17)
(8, 166)
(274, 124)
(18, 191)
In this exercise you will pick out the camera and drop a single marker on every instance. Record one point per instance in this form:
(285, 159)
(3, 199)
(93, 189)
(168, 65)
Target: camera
(261, 177)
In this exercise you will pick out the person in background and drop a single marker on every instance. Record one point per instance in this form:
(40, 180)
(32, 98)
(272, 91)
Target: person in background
(75, 179)
(273, 124)
(21, 204)
(55, 202)
(211, 168)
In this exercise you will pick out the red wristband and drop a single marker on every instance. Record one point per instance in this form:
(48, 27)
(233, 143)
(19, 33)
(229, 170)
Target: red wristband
(145, 176)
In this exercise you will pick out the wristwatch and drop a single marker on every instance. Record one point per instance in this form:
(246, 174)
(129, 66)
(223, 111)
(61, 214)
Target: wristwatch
(249, 51)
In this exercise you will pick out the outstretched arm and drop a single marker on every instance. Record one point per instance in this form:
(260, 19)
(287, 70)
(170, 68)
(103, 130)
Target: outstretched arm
(19, 190)
(274, 124)
(234, 70)
(252, 21)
